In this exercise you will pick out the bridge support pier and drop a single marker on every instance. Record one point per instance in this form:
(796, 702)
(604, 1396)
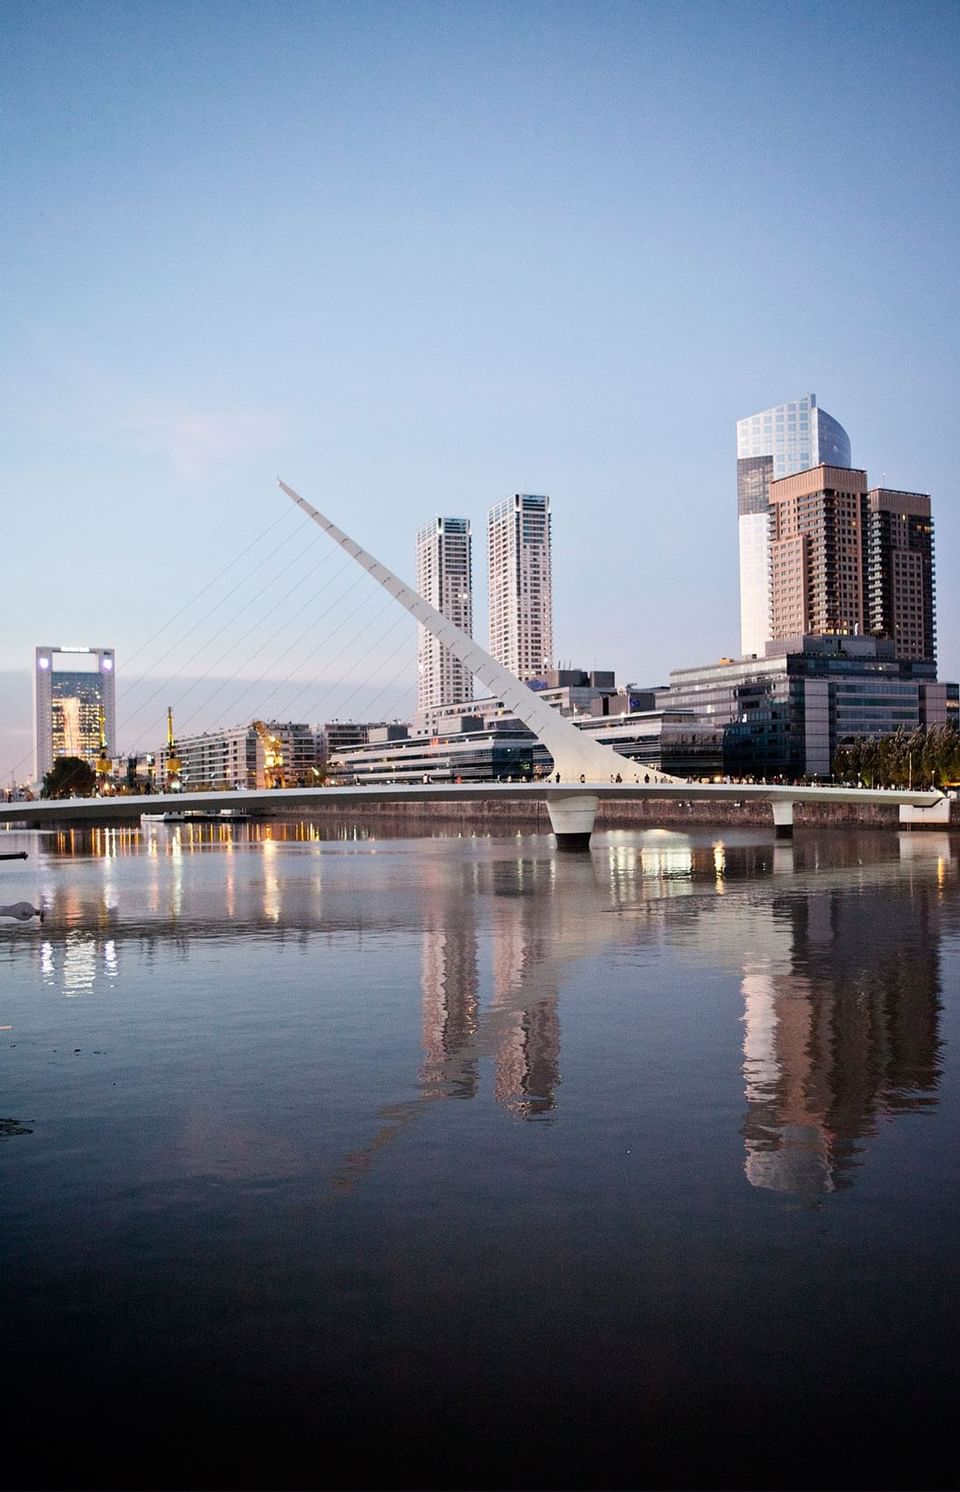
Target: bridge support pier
(782, 820)
(571, 819)
(925, 816)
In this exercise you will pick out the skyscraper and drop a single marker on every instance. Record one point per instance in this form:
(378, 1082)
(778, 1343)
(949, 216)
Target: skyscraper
(845, 560)
(900, 573)
(445, 579)
(520, 584)
(775, 443)
(71, 686)
(818, 553)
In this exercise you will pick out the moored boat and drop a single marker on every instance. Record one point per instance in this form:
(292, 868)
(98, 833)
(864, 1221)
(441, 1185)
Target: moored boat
(197, 816)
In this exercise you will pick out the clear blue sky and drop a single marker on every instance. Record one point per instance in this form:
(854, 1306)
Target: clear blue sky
(414, 257)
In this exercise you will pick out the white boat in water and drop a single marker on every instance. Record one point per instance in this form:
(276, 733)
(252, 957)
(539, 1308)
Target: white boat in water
(197, 816)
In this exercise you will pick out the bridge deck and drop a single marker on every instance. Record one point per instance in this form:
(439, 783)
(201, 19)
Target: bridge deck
(91, 810)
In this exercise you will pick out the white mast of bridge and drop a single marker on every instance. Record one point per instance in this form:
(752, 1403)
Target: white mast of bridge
(576, 758)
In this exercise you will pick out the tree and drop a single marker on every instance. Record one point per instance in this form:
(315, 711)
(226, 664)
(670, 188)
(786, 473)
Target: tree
(928, 756)
(69, 777)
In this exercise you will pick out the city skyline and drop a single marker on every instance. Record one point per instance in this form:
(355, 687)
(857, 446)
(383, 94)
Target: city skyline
(497, 250)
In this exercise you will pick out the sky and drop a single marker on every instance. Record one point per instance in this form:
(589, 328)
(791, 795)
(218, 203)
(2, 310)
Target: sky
(414, 257)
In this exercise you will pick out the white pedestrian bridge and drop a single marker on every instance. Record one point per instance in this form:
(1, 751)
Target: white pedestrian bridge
(571, 807)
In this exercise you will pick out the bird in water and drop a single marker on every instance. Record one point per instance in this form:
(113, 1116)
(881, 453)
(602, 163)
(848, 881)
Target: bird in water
(22, 910)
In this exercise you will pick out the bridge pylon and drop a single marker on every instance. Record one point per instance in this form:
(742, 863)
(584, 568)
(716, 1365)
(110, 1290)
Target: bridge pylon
(572, 819)
(576, 757)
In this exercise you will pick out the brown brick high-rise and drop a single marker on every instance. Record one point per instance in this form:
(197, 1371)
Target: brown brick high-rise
(900, 574)
(818, 552)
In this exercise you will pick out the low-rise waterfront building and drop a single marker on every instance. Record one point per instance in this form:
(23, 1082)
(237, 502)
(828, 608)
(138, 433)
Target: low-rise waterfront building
(260, 755)
(572, 691)
(785, 714)
(136, 773)
(341, 735)
(492, 745)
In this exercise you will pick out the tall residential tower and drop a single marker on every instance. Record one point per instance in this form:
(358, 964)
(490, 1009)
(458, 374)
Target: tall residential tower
(775, 443)
(818, 553)
(900, 587)
(848, 560)
(520, 584)
(445, 579)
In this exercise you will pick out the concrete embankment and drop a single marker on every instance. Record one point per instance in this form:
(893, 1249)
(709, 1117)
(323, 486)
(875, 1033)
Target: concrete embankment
(647, 814)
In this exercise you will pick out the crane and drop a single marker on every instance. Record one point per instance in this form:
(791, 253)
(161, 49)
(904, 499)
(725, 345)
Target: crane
(173, 761)
(272, 755)
(103, 764)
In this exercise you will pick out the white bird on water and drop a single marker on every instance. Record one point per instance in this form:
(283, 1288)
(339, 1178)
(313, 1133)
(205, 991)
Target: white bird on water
(22, 910)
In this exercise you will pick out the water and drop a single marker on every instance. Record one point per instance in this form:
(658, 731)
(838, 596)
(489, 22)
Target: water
(362, 1159)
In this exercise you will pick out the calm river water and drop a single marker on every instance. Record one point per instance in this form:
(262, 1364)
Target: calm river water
(334, 1158)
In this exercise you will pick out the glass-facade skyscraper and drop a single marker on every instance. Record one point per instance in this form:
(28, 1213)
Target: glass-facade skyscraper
(72, 689)
(775, 443)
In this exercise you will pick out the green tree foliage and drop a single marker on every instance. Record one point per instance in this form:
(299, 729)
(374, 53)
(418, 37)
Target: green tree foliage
(925, 757)
(69, 777)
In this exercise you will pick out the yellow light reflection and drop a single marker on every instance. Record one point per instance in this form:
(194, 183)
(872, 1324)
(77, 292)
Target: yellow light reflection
(271, 883)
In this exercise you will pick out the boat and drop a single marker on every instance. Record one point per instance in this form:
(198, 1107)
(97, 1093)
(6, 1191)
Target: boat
(197, 816)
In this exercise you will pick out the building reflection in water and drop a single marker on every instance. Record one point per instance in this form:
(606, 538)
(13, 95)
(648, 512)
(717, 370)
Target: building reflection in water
(526, 986)
(450, 984)
(839, 960)
(520, 1029)
(841, 1000)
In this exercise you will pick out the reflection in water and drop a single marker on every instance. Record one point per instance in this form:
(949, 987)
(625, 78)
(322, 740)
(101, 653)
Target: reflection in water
(519, 1028)
(836, 945)
(450, 981)
(271, 881)
(525, 986)
(841, 1009)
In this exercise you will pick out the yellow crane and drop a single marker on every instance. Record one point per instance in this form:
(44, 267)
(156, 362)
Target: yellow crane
(272, 755)
(103, 764)
(173, 761)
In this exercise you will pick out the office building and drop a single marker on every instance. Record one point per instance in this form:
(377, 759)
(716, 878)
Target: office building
(771, 445)
(445, 579)
(786, 714)
(901, 593)
(337, 736)
(492, 745)
(73, 690)
(572, 691)
(818, 523)
(520, 584)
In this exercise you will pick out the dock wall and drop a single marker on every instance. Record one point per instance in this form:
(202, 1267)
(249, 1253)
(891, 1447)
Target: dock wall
(647, 814)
